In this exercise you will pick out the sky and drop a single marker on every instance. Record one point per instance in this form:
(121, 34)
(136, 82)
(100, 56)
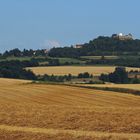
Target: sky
(42, 24)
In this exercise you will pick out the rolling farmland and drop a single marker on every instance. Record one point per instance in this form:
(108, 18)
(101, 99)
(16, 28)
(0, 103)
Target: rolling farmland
(75, 70)
(40, 111)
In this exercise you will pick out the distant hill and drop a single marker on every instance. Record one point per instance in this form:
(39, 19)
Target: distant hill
(100, 46)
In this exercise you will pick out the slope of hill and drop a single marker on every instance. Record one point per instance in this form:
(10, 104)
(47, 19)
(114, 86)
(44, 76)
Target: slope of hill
(37, 111)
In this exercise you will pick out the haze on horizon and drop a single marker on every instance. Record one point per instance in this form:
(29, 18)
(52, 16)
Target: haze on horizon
(40, 24)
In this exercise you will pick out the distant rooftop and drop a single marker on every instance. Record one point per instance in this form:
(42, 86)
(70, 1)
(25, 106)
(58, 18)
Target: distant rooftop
(78, 46)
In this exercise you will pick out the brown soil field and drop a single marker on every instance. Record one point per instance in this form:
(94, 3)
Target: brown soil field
(75, 70)
(58, 112)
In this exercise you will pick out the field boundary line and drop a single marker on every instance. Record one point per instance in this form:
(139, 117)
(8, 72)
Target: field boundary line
(114, 89)
(70, 132)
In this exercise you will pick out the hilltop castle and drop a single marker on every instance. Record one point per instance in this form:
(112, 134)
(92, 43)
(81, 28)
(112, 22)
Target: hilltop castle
(120, 36)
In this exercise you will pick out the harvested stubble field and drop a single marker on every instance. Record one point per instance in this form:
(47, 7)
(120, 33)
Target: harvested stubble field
(75, 70)
(57, 112)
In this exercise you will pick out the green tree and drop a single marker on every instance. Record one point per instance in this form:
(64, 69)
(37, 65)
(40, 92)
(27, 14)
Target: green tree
(119, 75)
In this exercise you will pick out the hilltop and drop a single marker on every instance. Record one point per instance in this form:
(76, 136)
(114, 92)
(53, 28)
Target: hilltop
(114, 45)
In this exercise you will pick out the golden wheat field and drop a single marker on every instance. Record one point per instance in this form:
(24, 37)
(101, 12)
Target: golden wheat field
(30, 111)
(123, 86)
(75, 70)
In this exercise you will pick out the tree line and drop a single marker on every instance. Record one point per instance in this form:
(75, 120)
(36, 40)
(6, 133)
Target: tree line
(119, 76)
(16, 69)
(19, 53)
(64, 78)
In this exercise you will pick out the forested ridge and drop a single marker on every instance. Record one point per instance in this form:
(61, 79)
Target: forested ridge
(99, 46)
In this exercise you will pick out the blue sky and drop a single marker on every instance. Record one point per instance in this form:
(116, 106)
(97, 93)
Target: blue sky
(46, 23)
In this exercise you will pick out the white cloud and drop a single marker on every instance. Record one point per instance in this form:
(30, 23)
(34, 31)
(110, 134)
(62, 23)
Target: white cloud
(50, 44)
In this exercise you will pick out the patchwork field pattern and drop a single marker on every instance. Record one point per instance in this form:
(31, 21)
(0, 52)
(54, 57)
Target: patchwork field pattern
(37, 112)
